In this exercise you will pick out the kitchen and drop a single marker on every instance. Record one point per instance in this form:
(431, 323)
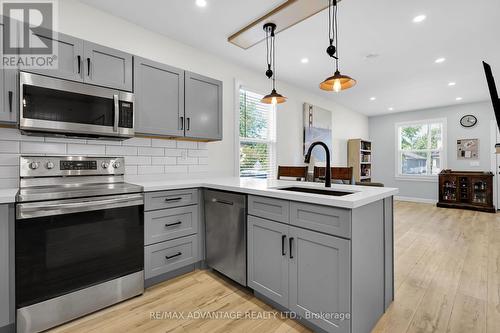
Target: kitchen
(127, 185)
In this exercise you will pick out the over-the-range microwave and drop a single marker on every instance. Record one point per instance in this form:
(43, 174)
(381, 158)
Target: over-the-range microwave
(51, 106)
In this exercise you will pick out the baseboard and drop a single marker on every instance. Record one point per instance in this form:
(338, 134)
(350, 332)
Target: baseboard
(11, 328)
(413, 199)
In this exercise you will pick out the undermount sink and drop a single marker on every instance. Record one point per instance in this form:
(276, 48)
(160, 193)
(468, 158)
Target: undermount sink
(315, 191)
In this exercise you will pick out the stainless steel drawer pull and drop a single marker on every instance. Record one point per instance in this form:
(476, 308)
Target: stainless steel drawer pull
(172, 199)
(172, 224)
(224, 202)
(173, 255)
(283, 240)
(290, 247)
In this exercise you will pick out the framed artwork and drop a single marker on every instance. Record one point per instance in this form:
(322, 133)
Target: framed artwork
(318, 124)
(468, 149)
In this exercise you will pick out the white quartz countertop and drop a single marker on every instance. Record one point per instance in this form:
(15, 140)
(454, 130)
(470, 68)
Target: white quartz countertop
(361, 195)
(8, 195)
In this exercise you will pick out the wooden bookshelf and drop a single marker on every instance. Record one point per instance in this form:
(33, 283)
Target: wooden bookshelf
(359, 157)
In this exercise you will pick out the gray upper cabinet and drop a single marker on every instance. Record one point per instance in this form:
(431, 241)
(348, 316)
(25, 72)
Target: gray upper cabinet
(203, 107)
(69, 56)
(8, 97)
(159, 98)
(267, 259)
(320, 277)
(107, 67)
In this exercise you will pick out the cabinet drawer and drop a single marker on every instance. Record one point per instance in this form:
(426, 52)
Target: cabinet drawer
(329, 220)
(169, 199)
(269, 208)
(166, 224)
(170, 255)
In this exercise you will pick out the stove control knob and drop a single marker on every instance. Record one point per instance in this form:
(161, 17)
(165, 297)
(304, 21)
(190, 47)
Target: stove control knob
(33, 165)
(49, 165)
(116, 165)
(105, 165)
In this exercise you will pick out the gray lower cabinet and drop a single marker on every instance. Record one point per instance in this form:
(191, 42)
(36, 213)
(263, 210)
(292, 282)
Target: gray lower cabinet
(7, 307)
(165, 224)
(203, 107)
(320, 279)
(159, 98)
(267, 259)
(104, 66)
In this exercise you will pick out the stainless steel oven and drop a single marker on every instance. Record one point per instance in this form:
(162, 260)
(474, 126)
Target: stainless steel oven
(79, 239)
(54, 106)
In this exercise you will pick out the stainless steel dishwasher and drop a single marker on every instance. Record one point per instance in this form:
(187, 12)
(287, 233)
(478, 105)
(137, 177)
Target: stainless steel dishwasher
(226, 235)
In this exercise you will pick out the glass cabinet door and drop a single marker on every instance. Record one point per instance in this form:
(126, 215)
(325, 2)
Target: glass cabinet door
(449, 189)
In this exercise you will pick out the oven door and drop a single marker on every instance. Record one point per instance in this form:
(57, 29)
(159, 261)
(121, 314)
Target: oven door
(73, 108)
(66, 245)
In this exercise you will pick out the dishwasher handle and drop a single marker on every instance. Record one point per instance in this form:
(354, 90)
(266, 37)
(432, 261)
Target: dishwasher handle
(224, 202)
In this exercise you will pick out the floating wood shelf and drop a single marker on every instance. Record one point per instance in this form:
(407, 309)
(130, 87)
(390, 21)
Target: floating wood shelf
(284, 16)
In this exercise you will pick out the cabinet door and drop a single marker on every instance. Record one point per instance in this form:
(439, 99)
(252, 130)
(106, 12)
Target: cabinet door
(320, 278)
(159, 98)
(203, 111)
(7, 307)
(7, 113)
(69, 56)
(107, 67)
(268, 259)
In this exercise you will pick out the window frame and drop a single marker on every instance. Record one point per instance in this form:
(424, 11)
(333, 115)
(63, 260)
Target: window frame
(271, 133)
(398, 151)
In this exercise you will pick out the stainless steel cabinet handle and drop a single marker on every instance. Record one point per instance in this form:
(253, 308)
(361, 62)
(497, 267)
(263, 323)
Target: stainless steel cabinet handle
(88, 66)
(173, 255)
(188, 123)
(172, 199)
(172, 224)
(79, 60)
(117, 113)
(290, 247)
(224, 202)
(182, 123)
(283, 239)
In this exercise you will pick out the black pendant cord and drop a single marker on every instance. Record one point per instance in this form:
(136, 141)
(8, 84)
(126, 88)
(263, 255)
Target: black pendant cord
(335, 10)
(274, 59)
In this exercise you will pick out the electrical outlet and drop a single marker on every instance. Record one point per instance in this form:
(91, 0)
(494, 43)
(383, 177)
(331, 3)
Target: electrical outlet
(474, 163)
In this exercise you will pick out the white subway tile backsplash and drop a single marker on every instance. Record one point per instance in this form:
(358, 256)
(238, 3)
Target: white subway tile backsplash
(203, 160)
(176, 169)
(130, 169)
(65, 140)
(9, 159)
(149, 151)
(137, 160)
(164, 143)
(197, 153)
(187, 144)
(138, 142)
(187, 160)
(43, 148)
(121, 150)
(163, 160)
(197, 168)
(150, 169)
(173, 152)
(9, 172)
(14, 134)
(79, 149)
(202, 145)
(105, 142)
(9, 147)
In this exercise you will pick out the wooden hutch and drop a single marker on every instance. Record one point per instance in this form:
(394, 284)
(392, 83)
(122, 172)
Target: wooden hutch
(359, 157)
(466, 190)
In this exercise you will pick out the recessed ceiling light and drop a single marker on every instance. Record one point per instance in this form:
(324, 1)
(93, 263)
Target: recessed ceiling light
(373, 98)
(391, 109)
(459, 98)
(304, 60)
(201, 3)
(440, 60)
(419, 18)
(451, 84)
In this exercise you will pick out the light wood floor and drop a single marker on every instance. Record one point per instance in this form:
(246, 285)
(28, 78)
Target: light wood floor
(447, 280)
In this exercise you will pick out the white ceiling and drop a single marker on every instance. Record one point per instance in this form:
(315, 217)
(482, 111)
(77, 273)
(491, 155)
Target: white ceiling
(403, 76)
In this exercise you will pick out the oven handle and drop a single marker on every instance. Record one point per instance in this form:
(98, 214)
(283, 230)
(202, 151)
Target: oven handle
(60, 207)
(117, 113)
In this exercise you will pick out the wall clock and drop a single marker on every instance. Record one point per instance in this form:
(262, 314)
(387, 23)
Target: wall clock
(468, 120)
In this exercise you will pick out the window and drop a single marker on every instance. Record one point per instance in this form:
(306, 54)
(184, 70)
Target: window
(421, 148)
(256, 136)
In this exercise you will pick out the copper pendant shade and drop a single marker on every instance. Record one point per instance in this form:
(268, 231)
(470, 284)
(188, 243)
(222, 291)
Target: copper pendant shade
(274, 97)
(337, 82)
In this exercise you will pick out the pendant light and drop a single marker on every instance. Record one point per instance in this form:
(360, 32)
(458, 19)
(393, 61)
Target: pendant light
(337, 82)
(272, 98)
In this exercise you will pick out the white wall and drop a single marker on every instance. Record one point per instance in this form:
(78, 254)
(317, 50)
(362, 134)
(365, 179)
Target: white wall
(382, 134)
(83, 21)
